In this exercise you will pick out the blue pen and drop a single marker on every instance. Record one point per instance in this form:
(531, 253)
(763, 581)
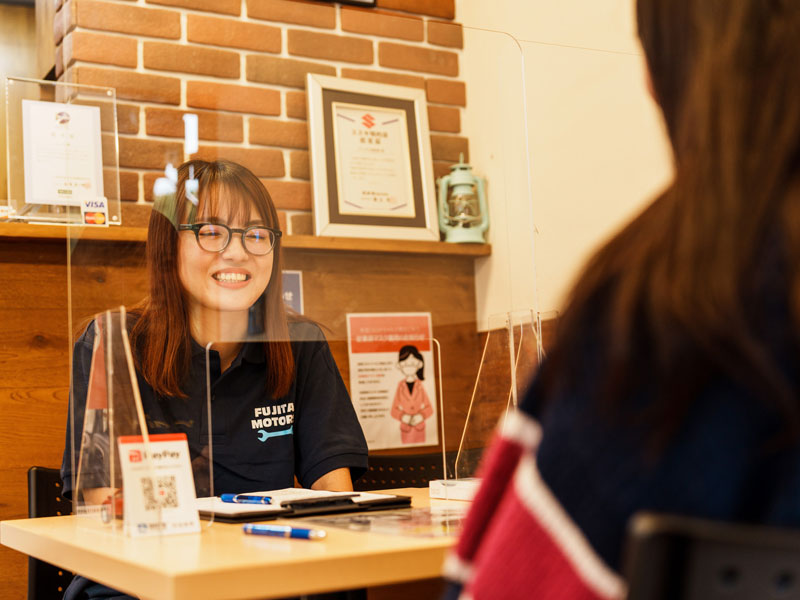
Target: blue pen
(245, 499)
(284, 531)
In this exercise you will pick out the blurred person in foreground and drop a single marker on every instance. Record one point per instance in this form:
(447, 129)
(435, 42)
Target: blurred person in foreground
(673, 384)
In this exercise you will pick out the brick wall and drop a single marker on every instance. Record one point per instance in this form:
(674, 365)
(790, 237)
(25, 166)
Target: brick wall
(241, 65)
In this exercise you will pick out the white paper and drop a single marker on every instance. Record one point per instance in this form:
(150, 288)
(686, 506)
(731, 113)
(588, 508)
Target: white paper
(159, 496)
(373, 162)
(217, 506)
(391, 414)
(63, 153)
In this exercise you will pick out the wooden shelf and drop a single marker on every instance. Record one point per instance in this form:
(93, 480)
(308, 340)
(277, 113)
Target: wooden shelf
(301, 242)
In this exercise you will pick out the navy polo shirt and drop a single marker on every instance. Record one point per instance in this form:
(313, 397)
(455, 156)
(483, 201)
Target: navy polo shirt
(258, 443)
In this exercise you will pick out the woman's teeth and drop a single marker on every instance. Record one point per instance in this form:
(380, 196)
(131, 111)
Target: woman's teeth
(230, 277)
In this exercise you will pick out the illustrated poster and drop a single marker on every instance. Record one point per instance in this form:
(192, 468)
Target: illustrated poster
(392, 379)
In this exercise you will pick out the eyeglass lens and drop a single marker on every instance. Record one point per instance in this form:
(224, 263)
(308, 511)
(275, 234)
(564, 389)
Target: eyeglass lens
(215, 238)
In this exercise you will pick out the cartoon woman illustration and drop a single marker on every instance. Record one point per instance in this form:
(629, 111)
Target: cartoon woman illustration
(411, 405)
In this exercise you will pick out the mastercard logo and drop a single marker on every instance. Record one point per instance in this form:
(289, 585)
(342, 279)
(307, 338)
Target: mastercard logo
(94, 218)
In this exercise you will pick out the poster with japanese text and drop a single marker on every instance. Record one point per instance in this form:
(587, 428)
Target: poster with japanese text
(392, 378)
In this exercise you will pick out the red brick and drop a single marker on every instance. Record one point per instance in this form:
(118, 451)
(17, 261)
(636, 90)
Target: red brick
(59, 61)
(148, 154)
(63, 22)
(444, 118)
(148, 182)
(445, 9)
(130, 85)
(168, 122)
(227, 7)
(441, 168)
(299, 166)
(448, 147)
(283, 71)
(296, 105)
(385, 77)
(413, 58)
(289, 195)
(129, 185)
(110, 181)
(443, 33)
(237, 98)
(99, 48)
(108, 147)
(191, 59)
(330, 47)
(127, 118)
(315, 14)
(382, 23)
(232, 33)
(136, 20)
(264, 162)
(272, 132)
(445, 91)
(282, 221)
(301, 224)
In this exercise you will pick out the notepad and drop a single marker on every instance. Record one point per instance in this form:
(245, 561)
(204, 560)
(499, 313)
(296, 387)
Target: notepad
(295, 502)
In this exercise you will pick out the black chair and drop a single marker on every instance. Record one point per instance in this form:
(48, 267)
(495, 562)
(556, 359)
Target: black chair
(46, 581)
(400, 470)
(388, 471)
(681, 558)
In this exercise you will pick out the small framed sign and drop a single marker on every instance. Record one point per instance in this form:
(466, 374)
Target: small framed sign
(371, 163)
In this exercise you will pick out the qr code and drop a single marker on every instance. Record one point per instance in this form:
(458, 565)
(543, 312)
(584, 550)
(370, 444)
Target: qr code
(163, 495)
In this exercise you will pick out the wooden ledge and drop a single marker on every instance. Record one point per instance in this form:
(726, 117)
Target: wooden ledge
(300, 242)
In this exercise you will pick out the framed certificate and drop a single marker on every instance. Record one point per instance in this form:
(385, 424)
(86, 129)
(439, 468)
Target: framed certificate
(371, 163)
(63, 153)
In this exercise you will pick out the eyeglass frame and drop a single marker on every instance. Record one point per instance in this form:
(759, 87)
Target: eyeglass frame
(195, 227)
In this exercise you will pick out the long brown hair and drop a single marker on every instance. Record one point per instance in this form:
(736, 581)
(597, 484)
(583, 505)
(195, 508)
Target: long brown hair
(676, 287)
(161, 335)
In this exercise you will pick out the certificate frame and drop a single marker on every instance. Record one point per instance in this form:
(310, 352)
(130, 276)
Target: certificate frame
(364, 191)
(97, 201)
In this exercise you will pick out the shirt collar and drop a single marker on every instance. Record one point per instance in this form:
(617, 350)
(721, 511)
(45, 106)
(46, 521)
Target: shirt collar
(252, 352)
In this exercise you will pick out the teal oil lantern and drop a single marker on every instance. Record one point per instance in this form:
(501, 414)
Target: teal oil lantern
(463, 216)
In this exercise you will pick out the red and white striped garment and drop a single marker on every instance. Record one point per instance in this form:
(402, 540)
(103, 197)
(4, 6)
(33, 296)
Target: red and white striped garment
(518, 542)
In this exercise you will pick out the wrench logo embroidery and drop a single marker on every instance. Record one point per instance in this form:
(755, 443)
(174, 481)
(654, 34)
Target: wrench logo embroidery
(263, 436)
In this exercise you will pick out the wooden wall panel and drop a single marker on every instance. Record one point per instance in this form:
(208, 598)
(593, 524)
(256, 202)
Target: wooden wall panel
(34, 357)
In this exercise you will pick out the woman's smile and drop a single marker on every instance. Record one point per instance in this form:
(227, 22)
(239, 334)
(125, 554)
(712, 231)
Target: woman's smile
(232, 278)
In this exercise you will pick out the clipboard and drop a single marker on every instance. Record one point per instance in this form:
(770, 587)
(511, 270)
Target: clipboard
(296, 502)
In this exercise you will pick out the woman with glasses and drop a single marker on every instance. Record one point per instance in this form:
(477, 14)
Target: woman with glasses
(280, 410)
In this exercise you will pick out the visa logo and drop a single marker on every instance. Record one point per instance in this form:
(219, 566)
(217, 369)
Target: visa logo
(95, 204)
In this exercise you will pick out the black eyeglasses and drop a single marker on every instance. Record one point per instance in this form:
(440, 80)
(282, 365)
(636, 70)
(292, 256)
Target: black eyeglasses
(215, 237)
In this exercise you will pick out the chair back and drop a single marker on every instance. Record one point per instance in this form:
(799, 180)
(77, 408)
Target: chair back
(400, 470)
(46, 581)
(682, 558)
(388, 471)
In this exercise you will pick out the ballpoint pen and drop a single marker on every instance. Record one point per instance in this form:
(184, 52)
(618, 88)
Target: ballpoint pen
(284, 531)
(245, 499)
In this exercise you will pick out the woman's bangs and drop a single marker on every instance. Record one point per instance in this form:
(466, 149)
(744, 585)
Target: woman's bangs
(227, 203)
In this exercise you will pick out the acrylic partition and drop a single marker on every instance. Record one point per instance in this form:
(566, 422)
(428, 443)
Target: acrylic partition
(61, 145)
(386, 287)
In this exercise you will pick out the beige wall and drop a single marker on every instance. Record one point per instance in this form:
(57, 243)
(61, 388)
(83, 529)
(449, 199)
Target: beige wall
(17, 58)
(595, 139)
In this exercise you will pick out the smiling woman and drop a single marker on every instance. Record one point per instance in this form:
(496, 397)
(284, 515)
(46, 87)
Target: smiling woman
(279, 408)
